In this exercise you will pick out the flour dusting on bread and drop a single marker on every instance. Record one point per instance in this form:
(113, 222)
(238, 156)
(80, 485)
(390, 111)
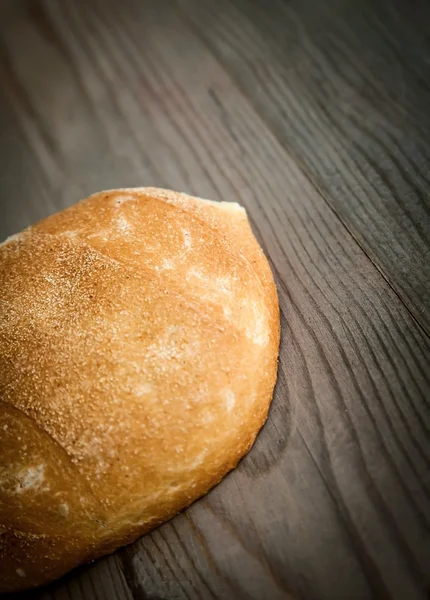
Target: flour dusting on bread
(139, 332)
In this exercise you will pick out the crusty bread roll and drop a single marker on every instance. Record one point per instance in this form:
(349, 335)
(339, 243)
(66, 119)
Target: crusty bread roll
(139, 333)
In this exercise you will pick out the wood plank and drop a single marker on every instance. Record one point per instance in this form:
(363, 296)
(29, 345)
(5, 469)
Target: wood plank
(344, 85)
(334, 499)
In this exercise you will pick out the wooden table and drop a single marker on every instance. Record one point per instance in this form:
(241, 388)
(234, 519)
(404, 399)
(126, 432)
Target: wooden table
(316, 116)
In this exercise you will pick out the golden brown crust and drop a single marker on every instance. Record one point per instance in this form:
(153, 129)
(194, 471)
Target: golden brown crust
(139, 332)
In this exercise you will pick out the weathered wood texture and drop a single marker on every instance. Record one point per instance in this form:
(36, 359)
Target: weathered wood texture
(345, 86)
(315, 115)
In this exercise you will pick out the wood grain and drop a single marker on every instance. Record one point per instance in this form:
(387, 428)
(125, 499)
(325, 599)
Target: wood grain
(334, 499)
(344, 84)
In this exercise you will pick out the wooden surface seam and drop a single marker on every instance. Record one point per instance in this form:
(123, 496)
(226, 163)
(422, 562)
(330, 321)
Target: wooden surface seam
(324, 140)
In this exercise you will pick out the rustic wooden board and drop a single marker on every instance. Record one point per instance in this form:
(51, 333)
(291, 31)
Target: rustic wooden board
(345, 87)
(334, 499)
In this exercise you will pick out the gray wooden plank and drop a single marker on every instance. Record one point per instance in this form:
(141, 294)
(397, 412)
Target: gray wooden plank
(334, 499)
(344, 85)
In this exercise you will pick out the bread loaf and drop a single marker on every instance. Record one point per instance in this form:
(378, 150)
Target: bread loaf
(139, 333)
